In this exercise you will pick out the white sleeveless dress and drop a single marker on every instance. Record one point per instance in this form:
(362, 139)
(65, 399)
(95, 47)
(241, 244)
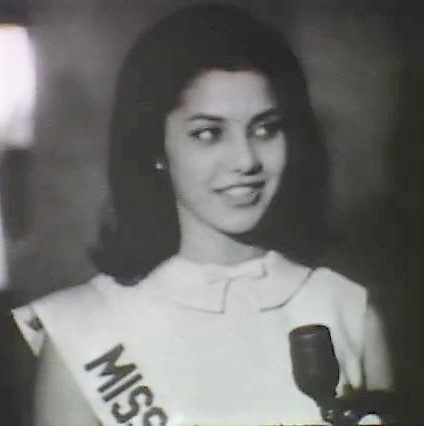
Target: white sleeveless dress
(200, 344)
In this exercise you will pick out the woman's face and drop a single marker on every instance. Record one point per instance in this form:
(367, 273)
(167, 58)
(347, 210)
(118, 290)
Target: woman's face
(225, 151)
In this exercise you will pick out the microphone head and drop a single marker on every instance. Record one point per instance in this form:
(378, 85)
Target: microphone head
(315, 367)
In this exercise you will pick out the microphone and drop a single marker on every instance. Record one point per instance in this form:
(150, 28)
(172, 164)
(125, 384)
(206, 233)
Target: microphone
(315, 367)
(316, 372)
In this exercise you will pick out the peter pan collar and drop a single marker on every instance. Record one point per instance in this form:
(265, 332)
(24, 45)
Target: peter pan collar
(189, 284)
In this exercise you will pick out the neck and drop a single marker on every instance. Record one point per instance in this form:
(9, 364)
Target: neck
(203, 244)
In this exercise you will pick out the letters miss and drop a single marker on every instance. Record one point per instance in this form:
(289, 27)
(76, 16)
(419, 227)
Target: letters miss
(123, 390)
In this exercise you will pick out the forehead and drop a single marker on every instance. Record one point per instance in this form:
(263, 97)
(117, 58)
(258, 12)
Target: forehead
(230, 94)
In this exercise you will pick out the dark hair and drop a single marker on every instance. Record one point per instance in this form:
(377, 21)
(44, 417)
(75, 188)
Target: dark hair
(163, 61)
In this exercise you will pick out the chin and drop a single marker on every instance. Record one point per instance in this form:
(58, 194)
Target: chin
(240, 225)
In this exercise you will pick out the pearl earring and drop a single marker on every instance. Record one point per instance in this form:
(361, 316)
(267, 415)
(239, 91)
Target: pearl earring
(159, 166)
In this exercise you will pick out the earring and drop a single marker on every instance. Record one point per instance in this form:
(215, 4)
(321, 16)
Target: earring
(159, 166)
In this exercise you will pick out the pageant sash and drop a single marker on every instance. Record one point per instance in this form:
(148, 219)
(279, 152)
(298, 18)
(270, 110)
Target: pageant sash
(85, 332)
(100, 333)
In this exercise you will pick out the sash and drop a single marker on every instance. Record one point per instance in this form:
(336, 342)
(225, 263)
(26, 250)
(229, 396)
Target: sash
(85, 332)
(95, 331)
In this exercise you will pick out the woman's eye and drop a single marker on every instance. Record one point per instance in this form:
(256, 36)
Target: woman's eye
(207, 134)
(267, 130)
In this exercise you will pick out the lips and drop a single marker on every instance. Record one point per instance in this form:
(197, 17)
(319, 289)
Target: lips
(242, 194)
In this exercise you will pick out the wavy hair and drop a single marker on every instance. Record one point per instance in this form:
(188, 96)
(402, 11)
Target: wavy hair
(160, 65)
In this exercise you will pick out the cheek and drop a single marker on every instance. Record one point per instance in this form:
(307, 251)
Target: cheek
(187, 164)
(189, 173)
(176, 159)
(275, 157)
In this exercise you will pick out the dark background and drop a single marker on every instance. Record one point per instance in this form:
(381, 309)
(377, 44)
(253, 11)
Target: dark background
(365, 66)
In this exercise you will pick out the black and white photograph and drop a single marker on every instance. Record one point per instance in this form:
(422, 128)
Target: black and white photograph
(211, 212)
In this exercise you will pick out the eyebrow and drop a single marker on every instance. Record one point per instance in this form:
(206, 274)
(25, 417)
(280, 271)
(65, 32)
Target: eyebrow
(205, 117)
(218, 119)
(268, 113)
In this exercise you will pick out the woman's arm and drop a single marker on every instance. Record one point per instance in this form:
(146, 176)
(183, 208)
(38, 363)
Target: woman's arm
(377, 363)
(58, 400)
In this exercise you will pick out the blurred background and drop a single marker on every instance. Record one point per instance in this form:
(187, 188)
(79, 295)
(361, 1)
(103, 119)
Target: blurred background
(365, 66)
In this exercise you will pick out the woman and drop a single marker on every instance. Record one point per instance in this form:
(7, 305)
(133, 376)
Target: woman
(218, 186)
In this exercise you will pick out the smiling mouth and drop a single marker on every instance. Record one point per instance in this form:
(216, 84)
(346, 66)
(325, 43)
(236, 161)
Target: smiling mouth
(243, 194)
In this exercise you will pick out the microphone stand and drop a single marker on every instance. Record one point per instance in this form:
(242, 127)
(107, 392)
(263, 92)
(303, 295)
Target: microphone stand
(348, 411)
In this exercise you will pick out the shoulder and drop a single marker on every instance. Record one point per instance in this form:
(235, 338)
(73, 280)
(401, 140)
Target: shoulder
(342, 300)
(336, 283)
(75, 302)
(77, 298)
(318, 280)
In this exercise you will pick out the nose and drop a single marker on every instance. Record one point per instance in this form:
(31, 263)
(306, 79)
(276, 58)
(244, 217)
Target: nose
(244, 156)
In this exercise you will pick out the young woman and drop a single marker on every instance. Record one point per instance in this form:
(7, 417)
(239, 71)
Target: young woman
(218, 179)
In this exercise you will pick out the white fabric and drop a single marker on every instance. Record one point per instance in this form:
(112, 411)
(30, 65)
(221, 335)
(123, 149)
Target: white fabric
(212, 351)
